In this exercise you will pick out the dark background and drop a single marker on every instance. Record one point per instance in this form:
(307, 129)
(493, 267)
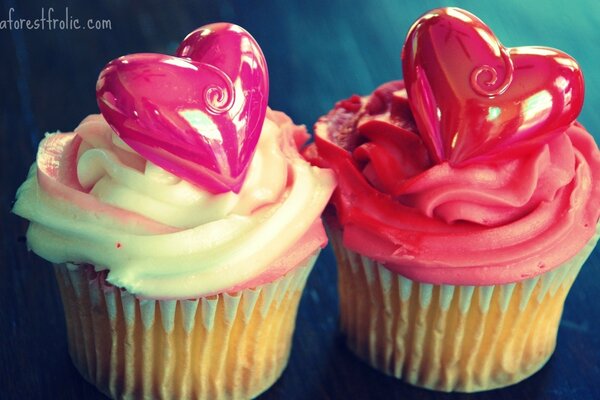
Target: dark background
(318, 52)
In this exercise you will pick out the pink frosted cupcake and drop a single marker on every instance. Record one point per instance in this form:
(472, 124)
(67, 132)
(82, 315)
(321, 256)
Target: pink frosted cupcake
(183, 230)
(467, 202)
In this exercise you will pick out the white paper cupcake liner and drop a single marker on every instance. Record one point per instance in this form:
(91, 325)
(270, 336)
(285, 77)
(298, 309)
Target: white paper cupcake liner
(450, 338)
(227, 346)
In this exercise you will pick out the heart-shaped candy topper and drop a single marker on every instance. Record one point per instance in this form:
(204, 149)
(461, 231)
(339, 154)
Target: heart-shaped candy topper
(198, 114)
(472, 97)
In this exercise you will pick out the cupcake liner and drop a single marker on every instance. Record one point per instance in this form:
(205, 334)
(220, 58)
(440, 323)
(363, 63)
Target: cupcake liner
(226, 346)
(445, 337)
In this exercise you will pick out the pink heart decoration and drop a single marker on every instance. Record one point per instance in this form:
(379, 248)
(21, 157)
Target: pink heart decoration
(472, 97)
(198, 114)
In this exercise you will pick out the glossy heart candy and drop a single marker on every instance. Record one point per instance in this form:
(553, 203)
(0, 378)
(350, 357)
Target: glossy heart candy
(472, 97)
(198, 114)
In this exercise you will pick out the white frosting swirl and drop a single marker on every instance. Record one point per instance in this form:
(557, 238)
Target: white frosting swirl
(163, 237)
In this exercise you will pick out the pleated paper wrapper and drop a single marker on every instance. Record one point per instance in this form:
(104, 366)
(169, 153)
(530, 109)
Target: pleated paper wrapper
(445, 337)
(226, 346)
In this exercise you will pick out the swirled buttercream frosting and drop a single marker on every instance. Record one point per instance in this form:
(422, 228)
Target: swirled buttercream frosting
(92, 200)
(518, 213)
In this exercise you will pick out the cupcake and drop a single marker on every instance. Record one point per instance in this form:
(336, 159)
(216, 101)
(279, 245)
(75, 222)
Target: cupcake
(182, 223)
(466, 205)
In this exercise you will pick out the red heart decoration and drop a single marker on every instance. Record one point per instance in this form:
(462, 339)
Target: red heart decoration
(472, 97)
(198, 114)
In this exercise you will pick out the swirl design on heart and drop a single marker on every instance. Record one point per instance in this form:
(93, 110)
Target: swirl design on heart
(219, 99)
(489, 86)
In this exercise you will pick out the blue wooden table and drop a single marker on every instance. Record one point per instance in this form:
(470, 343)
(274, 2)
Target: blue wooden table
(318, 52)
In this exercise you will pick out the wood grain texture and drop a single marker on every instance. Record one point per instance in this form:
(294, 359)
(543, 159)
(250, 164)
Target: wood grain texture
(317, 52)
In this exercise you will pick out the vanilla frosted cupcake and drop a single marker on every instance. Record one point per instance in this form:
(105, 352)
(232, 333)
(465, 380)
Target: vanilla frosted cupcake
(467, 202)
(179, 278)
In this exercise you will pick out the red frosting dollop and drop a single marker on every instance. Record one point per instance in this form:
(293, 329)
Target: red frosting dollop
(514, 215)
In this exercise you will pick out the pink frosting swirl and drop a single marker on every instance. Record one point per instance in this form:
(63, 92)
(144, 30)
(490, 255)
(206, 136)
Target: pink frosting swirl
(510, 217)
